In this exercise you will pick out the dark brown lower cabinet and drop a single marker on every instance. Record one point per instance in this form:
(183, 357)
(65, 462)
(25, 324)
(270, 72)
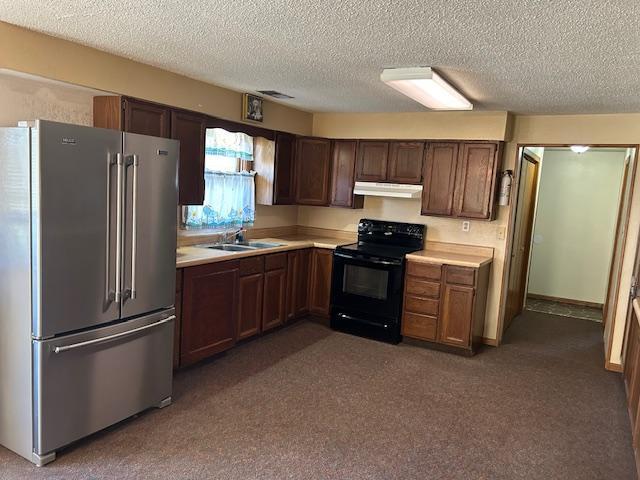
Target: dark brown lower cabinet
(210, 300)
(298, 267)
(456, 316)
(250, 316)
(221, 303)
(320, 281)
(274, 313)
(445, 304)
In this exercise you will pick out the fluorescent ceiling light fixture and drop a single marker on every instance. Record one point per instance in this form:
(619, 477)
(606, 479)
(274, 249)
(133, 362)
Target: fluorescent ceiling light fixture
(579, 148)
(425, 86)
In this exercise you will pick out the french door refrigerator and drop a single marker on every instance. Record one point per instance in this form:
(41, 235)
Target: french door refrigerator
(87, 281)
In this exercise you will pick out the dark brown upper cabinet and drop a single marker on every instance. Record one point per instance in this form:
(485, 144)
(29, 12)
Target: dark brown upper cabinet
(393, 162)
(313, 171)
(136, 116)
(405, 162)
(285, 189)
(373, 159)
(476, 180)
(441, 161)
(460, 179)
(343, 166)
(146, 118)
(190, 130)
(131, 115)
(274, 165)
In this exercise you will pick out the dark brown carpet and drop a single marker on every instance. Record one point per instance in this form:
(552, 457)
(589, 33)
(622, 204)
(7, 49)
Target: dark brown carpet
(308, 403)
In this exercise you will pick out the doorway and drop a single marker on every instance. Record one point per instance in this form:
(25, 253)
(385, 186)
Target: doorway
(569, 228)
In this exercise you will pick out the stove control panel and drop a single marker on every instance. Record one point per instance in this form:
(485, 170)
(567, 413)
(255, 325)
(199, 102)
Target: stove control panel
(391, 233)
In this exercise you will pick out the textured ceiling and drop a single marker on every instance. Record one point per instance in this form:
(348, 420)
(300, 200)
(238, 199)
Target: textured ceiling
(526, 56)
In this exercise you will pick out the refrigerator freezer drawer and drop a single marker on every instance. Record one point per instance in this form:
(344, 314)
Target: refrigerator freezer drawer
(88, 381)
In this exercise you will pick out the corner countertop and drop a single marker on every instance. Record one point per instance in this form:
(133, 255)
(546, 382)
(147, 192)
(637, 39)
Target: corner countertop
(190, 256)
(453, 254)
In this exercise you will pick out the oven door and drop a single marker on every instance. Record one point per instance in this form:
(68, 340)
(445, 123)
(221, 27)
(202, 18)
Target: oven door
(367, 285)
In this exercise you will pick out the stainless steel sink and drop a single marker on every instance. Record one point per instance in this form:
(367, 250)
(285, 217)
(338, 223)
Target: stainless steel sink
(264, 244)
(232, 247)
(241, 247)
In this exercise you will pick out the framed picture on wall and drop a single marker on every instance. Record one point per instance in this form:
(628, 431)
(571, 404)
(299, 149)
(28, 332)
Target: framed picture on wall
(252, 108)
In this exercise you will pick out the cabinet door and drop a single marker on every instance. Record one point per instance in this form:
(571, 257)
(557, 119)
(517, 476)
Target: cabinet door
(301, 299)
(146, 118)
(293, 262)
(298, 267)
(313, 168)
(190, 131)
(320, 281)
(250, 315)
(274, 311)
(343, 165)
(209, 310)
(476, 179)
(405, 162)
(439, 179)
(456, 315)
(372, 161)
(107, 112)
(284, 188)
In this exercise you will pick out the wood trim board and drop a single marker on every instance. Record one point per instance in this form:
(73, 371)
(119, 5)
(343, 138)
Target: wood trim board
(568, 301)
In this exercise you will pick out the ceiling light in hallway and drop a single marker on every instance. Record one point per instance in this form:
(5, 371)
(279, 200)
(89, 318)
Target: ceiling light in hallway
(579, 148)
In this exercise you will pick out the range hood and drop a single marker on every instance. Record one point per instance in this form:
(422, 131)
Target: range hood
(395, 190)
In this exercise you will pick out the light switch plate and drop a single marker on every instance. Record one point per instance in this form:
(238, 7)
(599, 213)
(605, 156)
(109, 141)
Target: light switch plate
(466, 226)
(502, 233)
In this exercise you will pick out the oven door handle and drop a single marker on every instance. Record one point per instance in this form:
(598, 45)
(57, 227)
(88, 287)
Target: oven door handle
(368, 260)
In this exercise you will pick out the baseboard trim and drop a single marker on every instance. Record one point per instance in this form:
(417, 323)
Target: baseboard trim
(613, 367)
(568, 301)
(490, 341)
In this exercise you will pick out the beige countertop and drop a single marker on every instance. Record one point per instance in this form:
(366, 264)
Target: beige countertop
(453, 254)
(190, 256)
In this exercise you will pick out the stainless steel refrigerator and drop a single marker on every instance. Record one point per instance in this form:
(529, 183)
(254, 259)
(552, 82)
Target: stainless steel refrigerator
(87, 281)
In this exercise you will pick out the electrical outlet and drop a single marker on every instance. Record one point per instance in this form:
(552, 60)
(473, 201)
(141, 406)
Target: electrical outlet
(502, 233)
(466, 226)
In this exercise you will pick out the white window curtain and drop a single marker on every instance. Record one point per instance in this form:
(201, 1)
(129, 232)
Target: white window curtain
(229, 199)
(220, 143)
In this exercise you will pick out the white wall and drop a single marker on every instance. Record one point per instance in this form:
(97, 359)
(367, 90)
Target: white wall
(575, 224)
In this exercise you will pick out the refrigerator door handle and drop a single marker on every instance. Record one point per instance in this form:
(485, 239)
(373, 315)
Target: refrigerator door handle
(119, 229)
(73, 346)
(134, 225)
(109, 294)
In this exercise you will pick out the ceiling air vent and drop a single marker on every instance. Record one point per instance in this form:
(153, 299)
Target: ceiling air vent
(274, 94)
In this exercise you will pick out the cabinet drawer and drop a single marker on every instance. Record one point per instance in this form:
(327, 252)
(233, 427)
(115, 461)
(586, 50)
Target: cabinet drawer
(425, 306)
(424, 270)
(461, 275)
(251, 265)
(422, 288)
(419, 326)
(275, 261)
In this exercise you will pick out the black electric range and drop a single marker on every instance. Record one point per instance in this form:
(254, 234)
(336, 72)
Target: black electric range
(367, 280)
